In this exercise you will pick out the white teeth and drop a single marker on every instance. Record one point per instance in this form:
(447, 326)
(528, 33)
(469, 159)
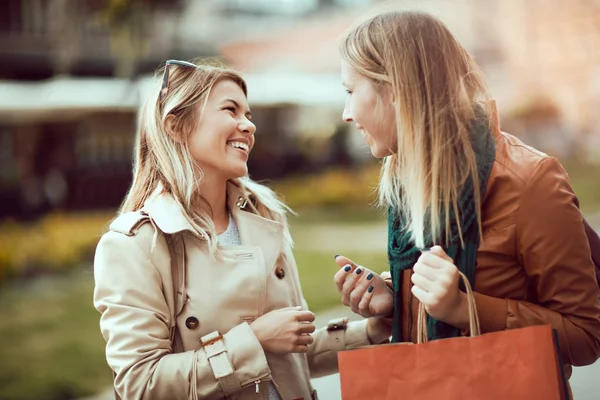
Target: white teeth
(238, 145)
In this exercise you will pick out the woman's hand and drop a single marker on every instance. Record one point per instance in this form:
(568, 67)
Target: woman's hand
(365, 292)
(285, 331)
(435, 282)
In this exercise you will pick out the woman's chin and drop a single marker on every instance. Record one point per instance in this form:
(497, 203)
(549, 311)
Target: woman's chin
(239, 172)
(379, 153)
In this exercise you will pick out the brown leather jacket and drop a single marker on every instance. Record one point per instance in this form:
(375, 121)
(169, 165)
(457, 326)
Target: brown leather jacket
(534, 264)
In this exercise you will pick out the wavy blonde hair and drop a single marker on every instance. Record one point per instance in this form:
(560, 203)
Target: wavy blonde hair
(437, 87)
(162, 157)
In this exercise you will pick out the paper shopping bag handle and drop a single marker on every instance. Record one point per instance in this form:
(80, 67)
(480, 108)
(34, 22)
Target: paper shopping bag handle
(475, 329)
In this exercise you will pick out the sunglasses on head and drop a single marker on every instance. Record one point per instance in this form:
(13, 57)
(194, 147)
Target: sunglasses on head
(165, 84)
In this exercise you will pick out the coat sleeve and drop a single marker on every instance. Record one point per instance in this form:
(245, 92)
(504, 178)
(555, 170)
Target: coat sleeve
(135, 322)
(343, 335)
(553, 248)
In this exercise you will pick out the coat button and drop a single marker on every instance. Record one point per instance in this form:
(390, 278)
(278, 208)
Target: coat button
(192, 323)
(280, 273)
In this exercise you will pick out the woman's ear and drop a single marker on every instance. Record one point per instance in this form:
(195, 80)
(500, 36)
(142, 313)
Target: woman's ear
(172, 129)
(389, 93)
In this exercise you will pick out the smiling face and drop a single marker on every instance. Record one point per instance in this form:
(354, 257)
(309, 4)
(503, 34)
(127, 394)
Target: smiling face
(224, 136)
(372, 112)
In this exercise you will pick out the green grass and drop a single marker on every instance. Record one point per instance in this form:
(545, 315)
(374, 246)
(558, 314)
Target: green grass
(316, 274)
(585, 179)
(349, 215)
(51, 343)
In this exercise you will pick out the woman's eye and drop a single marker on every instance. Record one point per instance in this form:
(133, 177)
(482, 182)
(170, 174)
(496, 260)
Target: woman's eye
(348, 91)
(232, 109)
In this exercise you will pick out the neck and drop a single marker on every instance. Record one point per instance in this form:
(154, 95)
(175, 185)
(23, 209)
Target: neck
(214, 191)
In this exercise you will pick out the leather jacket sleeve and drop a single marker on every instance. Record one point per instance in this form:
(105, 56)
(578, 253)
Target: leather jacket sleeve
(554, 251)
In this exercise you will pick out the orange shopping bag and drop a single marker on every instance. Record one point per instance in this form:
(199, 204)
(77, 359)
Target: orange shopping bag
(514, 364)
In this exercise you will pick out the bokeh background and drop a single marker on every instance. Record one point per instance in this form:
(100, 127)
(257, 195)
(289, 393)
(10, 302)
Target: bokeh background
(72, 73)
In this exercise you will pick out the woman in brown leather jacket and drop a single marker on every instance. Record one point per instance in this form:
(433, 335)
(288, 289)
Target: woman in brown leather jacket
(462, 196)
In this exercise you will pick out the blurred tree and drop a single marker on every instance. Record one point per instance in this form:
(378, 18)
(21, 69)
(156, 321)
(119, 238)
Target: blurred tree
(63, 16)
(128, 23)
(339, 148)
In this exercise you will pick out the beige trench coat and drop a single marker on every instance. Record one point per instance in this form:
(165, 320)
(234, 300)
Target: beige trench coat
(215, 354)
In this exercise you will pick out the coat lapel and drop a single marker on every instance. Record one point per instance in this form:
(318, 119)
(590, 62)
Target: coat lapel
(254, 229)
(166, 212)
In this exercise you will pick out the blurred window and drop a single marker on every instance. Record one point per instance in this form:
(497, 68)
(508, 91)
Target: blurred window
(99, 148)
(24, 16)
(8, 168)
(10, 15)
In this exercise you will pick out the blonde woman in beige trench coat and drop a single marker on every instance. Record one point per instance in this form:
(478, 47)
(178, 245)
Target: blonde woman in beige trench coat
(195, 281)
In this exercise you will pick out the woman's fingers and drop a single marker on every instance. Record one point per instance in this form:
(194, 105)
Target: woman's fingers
(425, 270)
(360, 289)
(305, 316)
(422, 282)
(353, 283)
(352, 279)
(304, 340)
(347, 266)
(422, 295)
(340, 277)
(365, 302)
(301, 348)
(306, 328)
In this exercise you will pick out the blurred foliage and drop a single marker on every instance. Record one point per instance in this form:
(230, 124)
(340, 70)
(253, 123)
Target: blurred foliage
(585, 180)
(536, 108)
(351, 193)
(128, 22)
(55, 242)
(350, 187)
(60, 241)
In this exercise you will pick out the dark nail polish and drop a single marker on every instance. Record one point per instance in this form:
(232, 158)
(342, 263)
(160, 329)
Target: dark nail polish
(336, 256)
(371, 288)
(358, 271)
(370, 276)
(347, 268)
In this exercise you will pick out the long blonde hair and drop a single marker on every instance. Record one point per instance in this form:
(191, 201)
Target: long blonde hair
(436, 85)
(162, 157)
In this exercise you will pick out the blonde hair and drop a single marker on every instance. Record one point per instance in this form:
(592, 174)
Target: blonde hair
(437, 87)
(162, 158)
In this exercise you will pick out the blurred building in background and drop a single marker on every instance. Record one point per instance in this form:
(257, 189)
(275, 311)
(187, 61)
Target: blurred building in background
(68, 96)
(72, 74)
(541, 59)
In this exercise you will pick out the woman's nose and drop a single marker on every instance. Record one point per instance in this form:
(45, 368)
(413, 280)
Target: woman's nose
(346, 116)
(247, 126)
